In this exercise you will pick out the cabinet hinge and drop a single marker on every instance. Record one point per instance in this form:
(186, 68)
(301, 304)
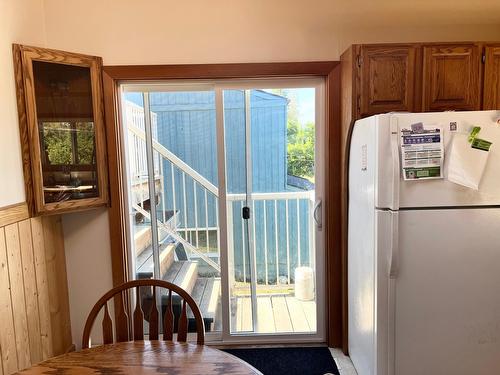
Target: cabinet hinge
(359, 60)
(484, 58)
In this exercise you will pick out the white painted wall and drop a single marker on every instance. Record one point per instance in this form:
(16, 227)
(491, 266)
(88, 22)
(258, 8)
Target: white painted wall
(200, 31)
(86, 241)
(21, 21)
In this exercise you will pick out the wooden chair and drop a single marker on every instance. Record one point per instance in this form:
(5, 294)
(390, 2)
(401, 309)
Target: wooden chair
(122, 329)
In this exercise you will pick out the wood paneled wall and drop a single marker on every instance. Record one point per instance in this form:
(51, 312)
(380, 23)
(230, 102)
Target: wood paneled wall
(34, 306)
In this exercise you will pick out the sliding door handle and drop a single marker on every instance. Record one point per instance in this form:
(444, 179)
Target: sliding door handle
(317, 214)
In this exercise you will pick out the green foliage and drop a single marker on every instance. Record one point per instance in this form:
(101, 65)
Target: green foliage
(85, 142)
(300, 149)
(300, 139)
(58, 139)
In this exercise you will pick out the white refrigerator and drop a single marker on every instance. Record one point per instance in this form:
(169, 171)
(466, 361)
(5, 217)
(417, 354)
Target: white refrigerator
(423, 255)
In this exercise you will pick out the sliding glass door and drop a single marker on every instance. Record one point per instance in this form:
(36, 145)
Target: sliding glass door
(225, 190)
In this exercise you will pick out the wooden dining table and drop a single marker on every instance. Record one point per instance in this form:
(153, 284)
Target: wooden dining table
(145, 357)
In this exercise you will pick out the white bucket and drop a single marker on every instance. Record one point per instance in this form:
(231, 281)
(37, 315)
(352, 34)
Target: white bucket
(304, 283)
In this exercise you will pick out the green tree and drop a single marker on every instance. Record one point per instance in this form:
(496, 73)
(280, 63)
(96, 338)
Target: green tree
(85, 142)
(57, 139)
(300, 150)
(300, 139)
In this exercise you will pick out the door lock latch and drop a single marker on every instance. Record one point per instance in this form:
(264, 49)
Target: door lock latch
(245, 213)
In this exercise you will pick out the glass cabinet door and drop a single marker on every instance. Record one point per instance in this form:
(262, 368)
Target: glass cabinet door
(65, 129)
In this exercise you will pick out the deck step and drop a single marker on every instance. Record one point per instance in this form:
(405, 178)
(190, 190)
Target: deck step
(183, 274)
(142, 235)
(206, 294)
(210, 301)
(142, 240)
(145, 264)
(167, 258)
(198, 290)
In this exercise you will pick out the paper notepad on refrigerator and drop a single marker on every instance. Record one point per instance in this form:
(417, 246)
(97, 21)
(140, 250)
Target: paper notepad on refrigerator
(468, 159)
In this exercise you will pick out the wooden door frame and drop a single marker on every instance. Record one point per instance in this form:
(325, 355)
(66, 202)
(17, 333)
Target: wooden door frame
(330, 71)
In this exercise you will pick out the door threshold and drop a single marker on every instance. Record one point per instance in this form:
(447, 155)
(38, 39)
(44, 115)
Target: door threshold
(263, 346)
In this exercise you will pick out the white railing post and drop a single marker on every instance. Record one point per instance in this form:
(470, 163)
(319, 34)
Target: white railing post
(206, 221)
(310, 223)
(174, 195)
(265, 241)
(254, 249)
(142, 192)
(298, 233)
(185, 206)
(287, 243)
(163, 193)
(276, 226)
(195, 197)
(230, 244)
(217, 223)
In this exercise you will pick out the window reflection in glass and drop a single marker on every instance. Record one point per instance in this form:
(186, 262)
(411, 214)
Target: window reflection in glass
(68, 160)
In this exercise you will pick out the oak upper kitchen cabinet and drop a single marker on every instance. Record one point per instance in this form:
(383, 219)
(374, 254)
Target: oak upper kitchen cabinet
(61, 119)
(451, 77)
(387, 76)
(419, 77)
(491, 91)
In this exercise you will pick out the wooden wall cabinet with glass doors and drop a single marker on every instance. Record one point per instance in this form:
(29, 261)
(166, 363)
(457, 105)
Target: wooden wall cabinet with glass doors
(59, 97)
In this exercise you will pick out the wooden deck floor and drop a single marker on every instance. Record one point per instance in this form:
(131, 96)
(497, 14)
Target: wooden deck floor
(276, 314)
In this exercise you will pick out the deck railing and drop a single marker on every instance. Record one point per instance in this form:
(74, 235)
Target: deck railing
(282, 240)
(138, 165)
(278, 238)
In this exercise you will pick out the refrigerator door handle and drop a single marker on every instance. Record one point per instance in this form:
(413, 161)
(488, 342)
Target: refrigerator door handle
(393, 274)
(395, 162)
(394, 261)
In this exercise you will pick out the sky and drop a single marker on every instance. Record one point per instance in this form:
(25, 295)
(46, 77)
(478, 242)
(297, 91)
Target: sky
(306, 105)
(303, 99)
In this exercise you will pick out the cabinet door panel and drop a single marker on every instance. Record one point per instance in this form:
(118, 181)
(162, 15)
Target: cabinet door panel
(387, 79)
(451, 78)
(492, 78)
